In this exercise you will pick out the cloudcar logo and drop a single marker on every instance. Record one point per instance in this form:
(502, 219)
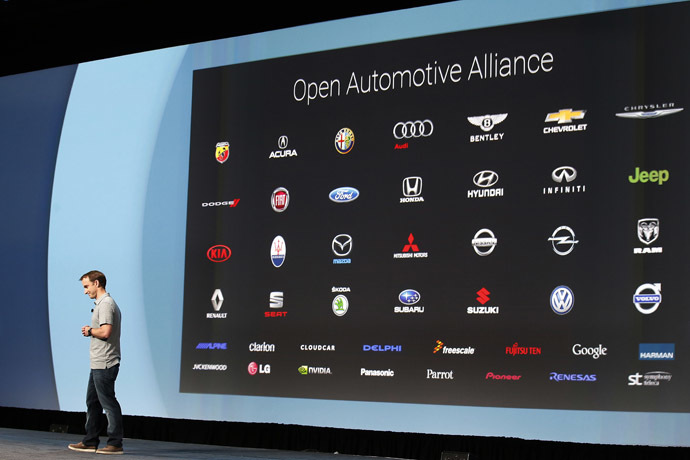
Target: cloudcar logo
(410, 129)
(278, 250)
(647, 302)
(341, 245)
(218, 253)
(563, 240)
(222, 151)
(562, 300)
(484, 242)
(564, 173)
(280, 199)
(344, 141)
(344, 194)
(409, 297)
(485, 179)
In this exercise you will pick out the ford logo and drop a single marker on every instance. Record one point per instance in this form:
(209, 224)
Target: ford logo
(344, 194)
(409, 297)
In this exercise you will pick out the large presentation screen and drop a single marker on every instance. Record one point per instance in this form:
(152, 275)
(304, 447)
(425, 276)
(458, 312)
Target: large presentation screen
(488, 218)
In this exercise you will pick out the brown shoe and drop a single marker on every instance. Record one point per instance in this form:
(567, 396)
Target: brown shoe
(81, 447)
(110, 450)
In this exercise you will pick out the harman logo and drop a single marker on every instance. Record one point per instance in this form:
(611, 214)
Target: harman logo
(413, 129)
(340, 305)
(210, 367)
(317, 347)
(641, 112)
(594, 352)
(562, 300)
(218, 253)
(412, 190)
(222, 151)
(487, 123)
(410, 250)
(409, 298)
(564, 118)
(231, 203)
(212, 346)
(647, 233)
(563, 240)
(377, 372)
(564, 175)
(658, 176)
(262, 347)
(439, 375)
(645, 301)
(344, 141)
(381, 347)
(341, 247)
(556, 377)
(440, 346)
(344, 194)
(254, 368)
(492, 376)
(483, 298)
(518, 350)
(657, 351)
(275, 299)
(280, 199)
(278, 250)
(484, 180)
(217, 302)
(283, 151)
(650, 379)
(309, 370)
(484, 242)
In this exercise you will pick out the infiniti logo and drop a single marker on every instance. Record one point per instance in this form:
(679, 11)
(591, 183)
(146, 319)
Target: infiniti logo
(410, 129)
(566, 173)
(485, 179)
(282, 142)
(342, 245)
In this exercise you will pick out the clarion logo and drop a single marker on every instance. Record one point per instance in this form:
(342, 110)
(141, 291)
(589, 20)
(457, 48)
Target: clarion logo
(218, 253)
(262, 347)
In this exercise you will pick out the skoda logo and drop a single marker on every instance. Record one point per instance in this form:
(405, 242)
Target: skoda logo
(342, 245)
(562, 300)
(410, 129)
(409, 297)
(485, 179)
(344, 194)
(566, 173)
(647, 298)
(282, 142)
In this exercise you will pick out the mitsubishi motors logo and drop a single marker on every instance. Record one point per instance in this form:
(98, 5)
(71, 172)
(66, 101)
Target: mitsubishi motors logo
(410, 250)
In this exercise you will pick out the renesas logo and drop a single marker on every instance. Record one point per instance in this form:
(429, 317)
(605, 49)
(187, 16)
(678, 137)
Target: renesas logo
(655, 176)
(210, 367)
(411, 250)
(341, 247)
(212, 346)
(343, 195)
(254, 368)
(403, 131)
(396, 348)
(647, 298)
(283, 151)
(483, 298)
(594, 352)
(278, 250)
(564, 176)
(642, 112)
(377, 372)
(280, 199)
(562, 300)
(657, 351)
(222, 152)
(409, 299)
(311, 370)
(439, 375)
(230, 203)
(412, 190)
(217, 302)
(218, 253)
(558, 377)
(516, 350)
(563, 240)
(485, 180)
(340, 303)
(344, 141)
(487, 123)
(275, 301)
(647, 233)
(484, 242)
(445, 350)
(650, 379)
(256, 347)
(564, 121)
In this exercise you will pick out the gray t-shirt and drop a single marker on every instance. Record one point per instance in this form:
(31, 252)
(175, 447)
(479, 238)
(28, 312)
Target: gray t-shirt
(105, 353)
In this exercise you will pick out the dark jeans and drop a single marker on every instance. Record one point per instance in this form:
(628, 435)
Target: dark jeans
(100, 396)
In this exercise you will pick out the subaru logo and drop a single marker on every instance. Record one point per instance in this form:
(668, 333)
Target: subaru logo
(409, 297)
(344, 194)
(485, 179)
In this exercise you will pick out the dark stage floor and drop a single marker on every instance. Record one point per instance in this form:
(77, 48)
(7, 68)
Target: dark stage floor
(25, 445)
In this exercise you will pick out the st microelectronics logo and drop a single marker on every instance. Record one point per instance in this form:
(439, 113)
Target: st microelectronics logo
(218, 253)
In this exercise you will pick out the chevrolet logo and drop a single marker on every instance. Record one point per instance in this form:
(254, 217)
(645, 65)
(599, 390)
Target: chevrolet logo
(566, 116)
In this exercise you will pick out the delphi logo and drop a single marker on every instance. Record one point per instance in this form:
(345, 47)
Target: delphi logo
(222, 152)
(218, 253)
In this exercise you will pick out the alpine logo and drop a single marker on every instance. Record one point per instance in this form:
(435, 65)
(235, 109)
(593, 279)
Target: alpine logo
(218, 253)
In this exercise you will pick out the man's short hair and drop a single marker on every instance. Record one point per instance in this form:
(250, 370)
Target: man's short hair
(94, 275)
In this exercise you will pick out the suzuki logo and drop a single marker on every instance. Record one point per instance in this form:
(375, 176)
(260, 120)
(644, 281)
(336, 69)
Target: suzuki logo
(217, 299)
(412, 186)
(483, 296)
(282, 142)
(342, 245)
(485, 178)
(566, 173)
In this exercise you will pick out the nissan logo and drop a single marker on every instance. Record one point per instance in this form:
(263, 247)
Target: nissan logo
(485, 178)
(411, 129)
(564, 172)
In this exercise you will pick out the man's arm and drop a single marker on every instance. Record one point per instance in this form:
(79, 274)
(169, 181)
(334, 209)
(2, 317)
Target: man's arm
(102, 332)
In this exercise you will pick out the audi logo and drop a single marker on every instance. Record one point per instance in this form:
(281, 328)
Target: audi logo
(410, 129)
(567, 173)
(485, 178)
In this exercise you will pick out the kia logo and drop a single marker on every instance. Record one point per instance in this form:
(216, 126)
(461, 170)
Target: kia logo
(282, 142)
(411, 129)
(218, 253)
(485, 178)
(342, 245)
(564, 172)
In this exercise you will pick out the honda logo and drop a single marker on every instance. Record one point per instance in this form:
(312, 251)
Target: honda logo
(412, 186)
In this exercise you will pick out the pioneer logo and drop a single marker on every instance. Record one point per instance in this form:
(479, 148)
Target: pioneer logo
(492, 376)
(218, 253)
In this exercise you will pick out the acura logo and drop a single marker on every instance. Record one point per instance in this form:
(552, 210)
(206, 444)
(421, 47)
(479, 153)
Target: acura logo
(412, 186)
(282, 142)
(342, 245)
(411, 129)
(485, 178)
(564, 172)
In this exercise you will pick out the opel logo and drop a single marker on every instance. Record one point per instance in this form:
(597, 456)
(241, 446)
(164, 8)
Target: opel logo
(485, 179)
(282, 142)
(410, 129)
(342, 245)
(564, 172)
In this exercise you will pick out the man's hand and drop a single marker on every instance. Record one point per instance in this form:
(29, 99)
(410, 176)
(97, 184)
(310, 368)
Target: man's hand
(85, 331)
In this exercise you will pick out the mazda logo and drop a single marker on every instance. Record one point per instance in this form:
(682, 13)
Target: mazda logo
(485, 178)
(410, 129)
(564, 172)
(342, 245)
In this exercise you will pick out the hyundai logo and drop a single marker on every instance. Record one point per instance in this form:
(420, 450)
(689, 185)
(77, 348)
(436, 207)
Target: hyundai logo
(344, 194)
(485, 179)
(410, 129)
(409, 297)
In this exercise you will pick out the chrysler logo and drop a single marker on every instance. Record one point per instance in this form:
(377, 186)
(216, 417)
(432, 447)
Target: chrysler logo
(342, 245)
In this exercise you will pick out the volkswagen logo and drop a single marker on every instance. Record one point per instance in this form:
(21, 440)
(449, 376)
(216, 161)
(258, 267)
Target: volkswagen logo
(342, 245)
(485, 179)
(282, 142)
(562, 300)
(566, 173)
(410, 129)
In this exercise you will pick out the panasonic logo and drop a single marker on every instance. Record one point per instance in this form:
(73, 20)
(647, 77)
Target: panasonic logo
(377, 372)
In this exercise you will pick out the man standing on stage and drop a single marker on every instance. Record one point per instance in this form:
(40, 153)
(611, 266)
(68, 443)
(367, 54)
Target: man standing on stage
(105, 364)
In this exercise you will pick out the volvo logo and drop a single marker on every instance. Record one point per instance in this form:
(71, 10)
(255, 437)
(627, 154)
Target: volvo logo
(563, 240)
(342, 245)
(485, 178)
(282, 142)
(562, 300)
(647, 302)
(410, 129)
(566, 173)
